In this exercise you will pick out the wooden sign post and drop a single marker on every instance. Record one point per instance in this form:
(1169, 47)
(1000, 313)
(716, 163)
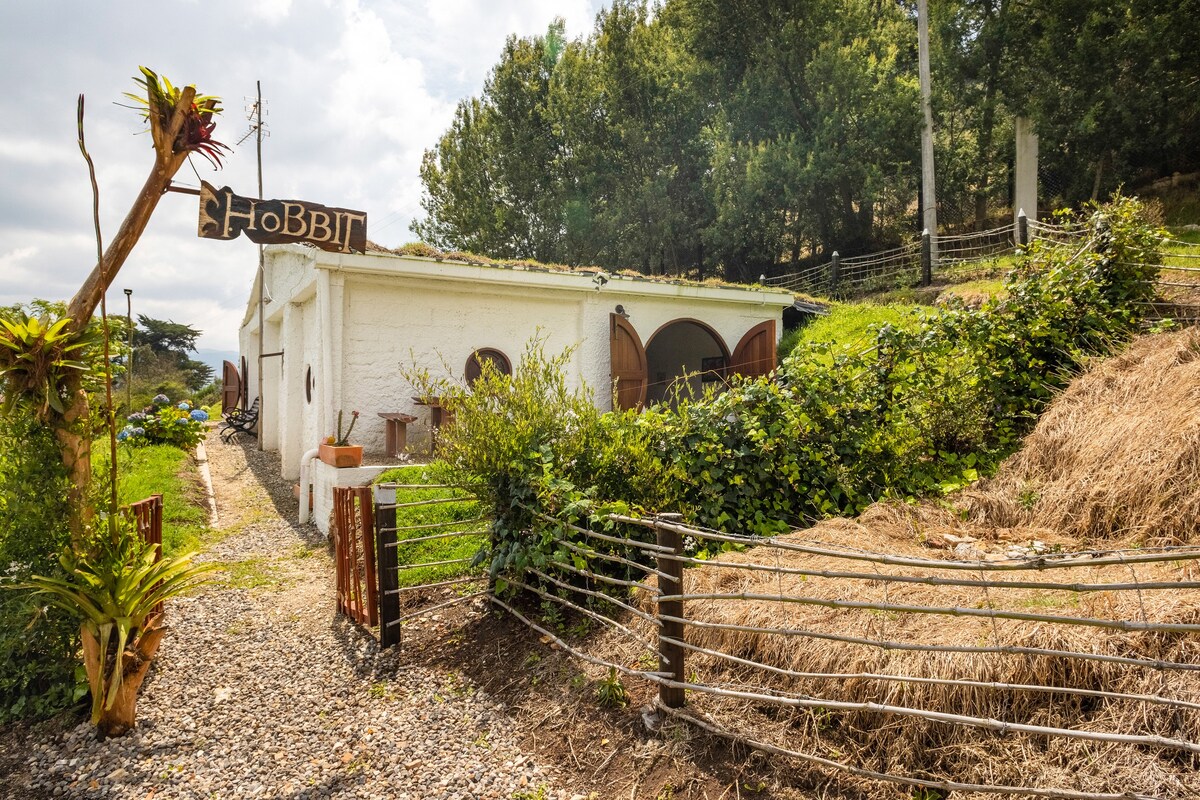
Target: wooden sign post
(225, 215)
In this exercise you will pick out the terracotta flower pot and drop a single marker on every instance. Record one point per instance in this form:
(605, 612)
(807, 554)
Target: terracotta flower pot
(347, 456)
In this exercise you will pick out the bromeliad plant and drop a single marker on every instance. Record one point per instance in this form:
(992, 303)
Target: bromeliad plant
(160, 99)
(37, 354)
(117, 587)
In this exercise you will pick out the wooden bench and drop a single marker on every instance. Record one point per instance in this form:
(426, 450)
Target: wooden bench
(395, 431)
(238, 421)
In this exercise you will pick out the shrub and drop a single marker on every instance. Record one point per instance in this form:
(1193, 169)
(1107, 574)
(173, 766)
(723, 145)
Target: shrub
(532, 444)
(37, 644)
(163, 423)
(925, 408)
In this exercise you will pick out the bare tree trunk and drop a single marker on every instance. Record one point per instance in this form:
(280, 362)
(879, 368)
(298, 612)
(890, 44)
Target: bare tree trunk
(1099, 174)
(71, 429)
(166, 163)
(71, 432)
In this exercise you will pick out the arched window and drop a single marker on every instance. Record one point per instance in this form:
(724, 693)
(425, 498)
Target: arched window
(498, 360)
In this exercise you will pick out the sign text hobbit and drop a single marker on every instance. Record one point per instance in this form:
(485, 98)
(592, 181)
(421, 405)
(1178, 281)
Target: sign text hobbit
(224, 215)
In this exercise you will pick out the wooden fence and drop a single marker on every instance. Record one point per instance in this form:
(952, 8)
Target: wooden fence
(367, 544)
(913, 263)
(148, 517)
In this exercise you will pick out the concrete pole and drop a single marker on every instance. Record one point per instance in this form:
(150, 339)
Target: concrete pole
(928, 188)
(1025, 188)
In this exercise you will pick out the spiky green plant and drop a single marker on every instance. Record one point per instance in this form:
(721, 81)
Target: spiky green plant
(36, 355)
(196, 134)
(115, 587)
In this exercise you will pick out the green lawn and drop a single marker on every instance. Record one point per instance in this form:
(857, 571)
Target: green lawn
(169, 471)
(848, 326)
(449, 517)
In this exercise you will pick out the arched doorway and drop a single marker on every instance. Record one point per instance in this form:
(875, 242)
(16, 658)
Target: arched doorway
(684, 355)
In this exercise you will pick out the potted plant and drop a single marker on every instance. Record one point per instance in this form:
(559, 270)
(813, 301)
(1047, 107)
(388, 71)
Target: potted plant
(116, 586)
(336, 451)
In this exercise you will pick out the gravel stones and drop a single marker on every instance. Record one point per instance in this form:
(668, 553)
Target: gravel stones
(261, 691)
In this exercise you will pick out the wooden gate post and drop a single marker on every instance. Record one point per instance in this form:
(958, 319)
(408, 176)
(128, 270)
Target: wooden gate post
(386, 561)
(835, 272)
(1022, 229)
(670, 658)
(926, 258)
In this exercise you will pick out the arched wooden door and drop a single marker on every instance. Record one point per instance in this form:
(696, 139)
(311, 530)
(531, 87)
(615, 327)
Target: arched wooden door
(755, 353)
(628, 363)
(231, 387)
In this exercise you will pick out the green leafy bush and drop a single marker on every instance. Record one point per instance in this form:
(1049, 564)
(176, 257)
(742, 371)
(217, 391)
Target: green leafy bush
(163, 423)
(531, 444)
(926, 407)
(37, 644)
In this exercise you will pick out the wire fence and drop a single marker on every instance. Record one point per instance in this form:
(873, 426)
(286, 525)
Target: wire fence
(922, 260)
(867, 659)
(829, 652)
(721, 665)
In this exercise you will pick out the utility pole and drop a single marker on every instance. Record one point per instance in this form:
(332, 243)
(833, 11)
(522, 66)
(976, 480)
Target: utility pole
(928, 190)
(129, 359)
(257, 128)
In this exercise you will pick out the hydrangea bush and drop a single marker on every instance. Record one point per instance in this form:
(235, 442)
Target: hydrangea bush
(163, 423)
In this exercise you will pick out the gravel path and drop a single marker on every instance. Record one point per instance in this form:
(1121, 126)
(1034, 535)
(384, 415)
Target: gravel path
(261, 691)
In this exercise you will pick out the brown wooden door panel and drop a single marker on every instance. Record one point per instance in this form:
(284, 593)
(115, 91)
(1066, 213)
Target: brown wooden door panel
(755, 353)
(628, 363)
(231, 387)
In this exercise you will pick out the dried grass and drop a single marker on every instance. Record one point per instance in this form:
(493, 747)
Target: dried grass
(1116, 458)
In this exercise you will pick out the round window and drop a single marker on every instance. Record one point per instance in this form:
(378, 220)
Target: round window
(498, 360)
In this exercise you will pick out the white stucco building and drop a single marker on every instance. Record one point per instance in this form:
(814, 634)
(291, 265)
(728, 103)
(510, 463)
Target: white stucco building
(339, 331)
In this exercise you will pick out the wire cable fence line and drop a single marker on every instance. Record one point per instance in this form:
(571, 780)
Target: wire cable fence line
(716, 654)
(911, 264)
(1104, 658)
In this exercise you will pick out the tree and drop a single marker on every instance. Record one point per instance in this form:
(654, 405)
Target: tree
(971, 48)
(1111, 87)
(626, 104)
(162, 346)
(590, 151)
(818, 133)
(491, 183)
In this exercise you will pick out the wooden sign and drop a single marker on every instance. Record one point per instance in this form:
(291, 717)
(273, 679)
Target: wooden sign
(225, 215)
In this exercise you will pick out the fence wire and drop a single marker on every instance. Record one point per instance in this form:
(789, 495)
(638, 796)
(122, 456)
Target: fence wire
(725, 675)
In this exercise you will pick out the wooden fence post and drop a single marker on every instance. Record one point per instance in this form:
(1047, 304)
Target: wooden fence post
(1022, 228)
(671, 654)
(926, 258)
(386, 561)
(835, 272)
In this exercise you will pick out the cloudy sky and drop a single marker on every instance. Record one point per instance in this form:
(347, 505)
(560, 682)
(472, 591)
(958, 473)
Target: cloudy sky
(355, 91)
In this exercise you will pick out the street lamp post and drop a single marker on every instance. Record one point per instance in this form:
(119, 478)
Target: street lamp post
(129, 343)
